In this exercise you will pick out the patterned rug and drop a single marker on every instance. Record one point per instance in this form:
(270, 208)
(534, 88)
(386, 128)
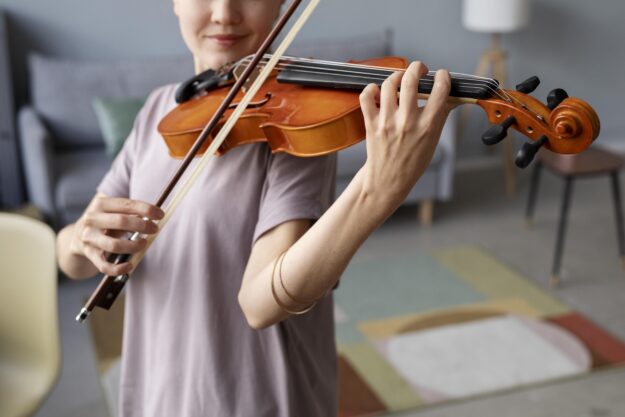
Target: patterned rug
(422, 329)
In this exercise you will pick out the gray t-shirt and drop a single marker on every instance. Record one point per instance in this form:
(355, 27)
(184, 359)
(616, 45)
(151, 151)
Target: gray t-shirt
(188, 350)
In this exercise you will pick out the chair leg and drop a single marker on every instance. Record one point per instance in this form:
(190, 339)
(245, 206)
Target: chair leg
(510, 167)
(531, 199)
(618, 210)
(564, 213)
(426, 213)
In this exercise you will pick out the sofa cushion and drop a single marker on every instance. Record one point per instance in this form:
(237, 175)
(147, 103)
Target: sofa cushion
(78, 174)
(116, 118)
(62, 90)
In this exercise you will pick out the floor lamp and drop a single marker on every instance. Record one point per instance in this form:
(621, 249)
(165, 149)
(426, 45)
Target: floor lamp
(496, 17)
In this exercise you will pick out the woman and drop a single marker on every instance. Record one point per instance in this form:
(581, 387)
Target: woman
(245, 232)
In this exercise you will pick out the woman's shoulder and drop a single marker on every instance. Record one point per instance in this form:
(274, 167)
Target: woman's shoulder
(161, 99)
(158, 103)
(156, 106)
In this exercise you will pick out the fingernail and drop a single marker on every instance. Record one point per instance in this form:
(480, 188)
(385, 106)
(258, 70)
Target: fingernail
(152, 228)
(160, 214)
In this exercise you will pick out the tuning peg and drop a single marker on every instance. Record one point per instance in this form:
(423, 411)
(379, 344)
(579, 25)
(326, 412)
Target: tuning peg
(528, 86)
(556, 97)
(497, 133)
(528, 152)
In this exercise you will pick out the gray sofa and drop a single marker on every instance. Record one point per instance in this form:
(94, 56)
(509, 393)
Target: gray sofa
(63, 151)
(62, 147)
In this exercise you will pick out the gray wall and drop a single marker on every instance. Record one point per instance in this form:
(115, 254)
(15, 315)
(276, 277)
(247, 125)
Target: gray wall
(574, 44)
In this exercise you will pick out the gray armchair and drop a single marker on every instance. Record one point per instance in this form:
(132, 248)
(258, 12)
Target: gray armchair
(62, 148)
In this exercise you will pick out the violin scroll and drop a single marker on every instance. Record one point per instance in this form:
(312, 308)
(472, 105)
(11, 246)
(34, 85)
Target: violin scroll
(576, 125)
(564, 125)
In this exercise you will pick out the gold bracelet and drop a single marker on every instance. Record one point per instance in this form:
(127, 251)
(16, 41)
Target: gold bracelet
(277, 300)
(295, 300)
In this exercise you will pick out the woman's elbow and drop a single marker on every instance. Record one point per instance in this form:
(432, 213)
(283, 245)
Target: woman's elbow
(253, 317)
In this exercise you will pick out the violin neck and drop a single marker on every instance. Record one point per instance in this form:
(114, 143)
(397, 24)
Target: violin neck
(357, 77)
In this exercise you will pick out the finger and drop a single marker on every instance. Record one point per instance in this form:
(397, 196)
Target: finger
(98, 259)
(127, 206)
(368, 104)
(388, 96)
(451, 106)
(123, 222)
(113, 245)
(437, 102)
(409, 93)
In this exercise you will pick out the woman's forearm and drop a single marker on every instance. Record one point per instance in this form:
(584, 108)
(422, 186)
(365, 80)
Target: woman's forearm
(315, 262)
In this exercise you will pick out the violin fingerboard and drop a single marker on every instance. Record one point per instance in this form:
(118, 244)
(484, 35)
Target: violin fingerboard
(337, 77)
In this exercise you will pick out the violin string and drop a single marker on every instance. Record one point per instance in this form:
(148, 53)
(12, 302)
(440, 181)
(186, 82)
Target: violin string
(467, 86)
(512, 99)
(387, 71)
(459, 77)
(379, 77)
(485, 82)
(498, 92)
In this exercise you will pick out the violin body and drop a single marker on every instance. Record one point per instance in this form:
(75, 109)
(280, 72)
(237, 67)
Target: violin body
(296, 119)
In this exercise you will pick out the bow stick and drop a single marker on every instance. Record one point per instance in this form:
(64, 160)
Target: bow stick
(110, 287)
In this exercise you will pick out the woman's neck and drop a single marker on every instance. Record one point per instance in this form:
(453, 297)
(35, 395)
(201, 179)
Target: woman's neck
(199, 67)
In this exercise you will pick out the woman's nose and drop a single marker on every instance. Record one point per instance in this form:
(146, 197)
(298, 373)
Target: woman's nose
(226, 12)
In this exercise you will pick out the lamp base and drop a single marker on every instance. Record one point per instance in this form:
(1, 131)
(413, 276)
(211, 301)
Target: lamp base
(492, 63)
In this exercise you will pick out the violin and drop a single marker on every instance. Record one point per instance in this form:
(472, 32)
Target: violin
(311, 107)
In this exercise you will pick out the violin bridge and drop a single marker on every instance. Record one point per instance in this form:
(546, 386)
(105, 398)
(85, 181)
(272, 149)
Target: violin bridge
(239, 68)
(250, 81)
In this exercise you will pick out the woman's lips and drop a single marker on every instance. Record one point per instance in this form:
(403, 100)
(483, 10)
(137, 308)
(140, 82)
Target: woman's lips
(226, 40)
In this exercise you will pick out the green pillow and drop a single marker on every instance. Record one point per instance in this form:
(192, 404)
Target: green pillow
(116, 117)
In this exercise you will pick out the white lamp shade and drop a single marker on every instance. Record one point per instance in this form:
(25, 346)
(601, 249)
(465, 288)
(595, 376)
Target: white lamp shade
(496, 16)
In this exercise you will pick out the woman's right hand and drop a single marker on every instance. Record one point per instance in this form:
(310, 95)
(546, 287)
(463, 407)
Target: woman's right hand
(105, 226)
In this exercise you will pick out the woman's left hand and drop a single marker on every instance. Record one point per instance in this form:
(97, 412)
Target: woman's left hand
(401, 137)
